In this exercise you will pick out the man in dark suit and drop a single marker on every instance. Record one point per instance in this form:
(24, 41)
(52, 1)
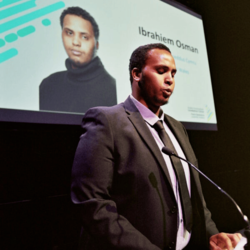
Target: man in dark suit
(126, 191)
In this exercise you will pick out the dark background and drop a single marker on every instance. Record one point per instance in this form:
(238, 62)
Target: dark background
(36, 160)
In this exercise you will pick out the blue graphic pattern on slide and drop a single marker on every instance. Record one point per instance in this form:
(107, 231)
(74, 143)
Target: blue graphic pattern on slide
(46, 22)
(21, 20)
(11, 38)
(8, 2)
(2, 43)
(31, 16)
(17, 9)
(26, 31)
(8, 54)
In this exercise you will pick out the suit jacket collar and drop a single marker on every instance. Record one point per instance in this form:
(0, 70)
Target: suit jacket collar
(187, 149)
(135, 117)
(181, 138)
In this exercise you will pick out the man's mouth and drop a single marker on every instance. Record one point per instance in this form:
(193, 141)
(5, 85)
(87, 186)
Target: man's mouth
(76, 52)
(167, 92)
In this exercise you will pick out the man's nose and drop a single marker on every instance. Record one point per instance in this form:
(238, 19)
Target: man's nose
(169, 78)
(76, 41)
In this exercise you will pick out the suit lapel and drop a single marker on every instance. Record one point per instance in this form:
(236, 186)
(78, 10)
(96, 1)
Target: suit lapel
(187, 149)
(182, 139)
(136, 119)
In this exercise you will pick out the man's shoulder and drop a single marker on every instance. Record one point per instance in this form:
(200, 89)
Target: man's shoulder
(170, 118)
(108, 111)
(107, 78)
(104, 115)
(174, 123)
(103, 73)
(54, 78)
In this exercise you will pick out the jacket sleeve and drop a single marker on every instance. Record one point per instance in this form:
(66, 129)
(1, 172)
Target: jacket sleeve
(92, 177)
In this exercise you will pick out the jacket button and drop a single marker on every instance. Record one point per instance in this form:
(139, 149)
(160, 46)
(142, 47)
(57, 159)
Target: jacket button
(173, 210)
(172, 245)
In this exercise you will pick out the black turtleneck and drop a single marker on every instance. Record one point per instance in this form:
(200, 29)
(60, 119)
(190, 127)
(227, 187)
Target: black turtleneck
(77, 90)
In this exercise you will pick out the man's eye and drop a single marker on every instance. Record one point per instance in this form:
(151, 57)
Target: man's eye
(161, 72)
(69, 32)
(85, 37)
(173, 74)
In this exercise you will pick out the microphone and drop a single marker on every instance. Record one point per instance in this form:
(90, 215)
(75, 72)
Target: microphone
(169, 152)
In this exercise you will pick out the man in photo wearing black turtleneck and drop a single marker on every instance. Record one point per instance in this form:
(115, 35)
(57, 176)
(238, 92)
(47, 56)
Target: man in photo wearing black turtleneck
(85, 83)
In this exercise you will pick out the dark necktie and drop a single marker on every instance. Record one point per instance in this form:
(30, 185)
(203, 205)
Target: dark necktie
(183, 190)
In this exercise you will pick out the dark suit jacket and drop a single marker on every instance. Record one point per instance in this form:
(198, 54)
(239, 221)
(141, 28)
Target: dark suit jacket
(119, 206)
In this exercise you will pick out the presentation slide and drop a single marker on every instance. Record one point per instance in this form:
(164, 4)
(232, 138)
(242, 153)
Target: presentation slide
(38, 84)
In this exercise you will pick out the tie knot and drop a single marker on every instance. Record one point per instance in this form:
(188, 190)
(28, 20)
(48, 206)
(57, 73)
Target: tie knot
(158, 126)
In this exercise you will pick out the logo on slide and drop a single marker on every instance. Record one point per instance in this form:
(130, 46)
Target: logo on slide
(209, 113)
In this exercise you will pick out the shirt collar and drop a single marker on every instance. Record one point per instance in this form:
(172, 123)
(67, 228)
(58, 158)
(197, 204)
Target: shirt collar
(146, 113)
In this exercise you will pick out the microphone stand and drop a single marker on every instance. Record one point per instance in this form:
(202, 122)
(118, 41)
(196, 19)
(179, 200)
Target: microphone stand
(167, 151)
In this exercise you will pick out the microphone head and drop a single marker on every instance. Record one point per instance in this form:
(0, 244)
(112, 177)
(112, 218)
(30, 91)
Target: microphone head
(167, 151)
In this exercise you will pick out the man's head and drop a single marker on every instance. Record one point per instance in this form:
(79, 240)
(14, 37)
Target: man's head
(80, 34)
(152, 70)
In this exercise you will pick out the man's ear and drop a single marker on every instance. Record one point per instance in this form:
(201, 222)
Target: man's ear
(97, 45)
(136, 74)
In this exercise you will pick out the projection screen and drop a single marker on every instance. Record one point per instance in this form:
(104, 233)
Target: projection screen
(31, 49)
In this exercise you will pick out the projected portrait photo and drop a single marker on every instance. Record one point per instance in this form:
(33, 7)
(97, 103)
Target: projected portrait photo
(85, 83)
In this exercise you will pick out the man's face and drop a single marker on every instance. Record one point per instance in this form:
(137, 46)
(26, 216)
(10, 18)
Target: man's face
(78, 40)
(157, 79)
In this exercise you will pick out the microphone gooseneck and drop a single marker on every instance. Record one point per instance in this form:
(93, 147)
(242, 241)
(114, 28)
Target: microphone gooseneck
(169, 152)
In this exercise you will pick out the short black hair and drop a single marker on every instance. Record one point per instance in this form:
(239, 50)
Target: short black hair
(84, 14)
(140, 55)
